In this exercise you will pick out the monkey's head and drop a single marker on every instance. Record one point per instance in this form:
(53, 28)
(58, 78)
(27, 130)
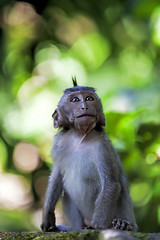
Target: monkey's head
(79, 108)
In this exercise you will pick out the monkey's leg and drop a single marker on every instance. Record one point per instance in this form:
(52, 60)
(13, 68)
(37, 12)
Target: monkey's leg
(72, 213)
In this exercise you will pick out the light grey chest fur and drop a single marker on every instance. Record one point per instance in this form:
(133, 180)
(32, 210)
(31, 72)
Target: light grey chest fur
(79, 167)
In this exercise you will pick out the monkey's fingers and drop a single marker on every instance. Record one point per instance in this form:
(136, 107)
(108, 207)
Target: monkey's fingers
(43, 227)
(87, 227)
(48, 228)
(116, 224)
(121, 225)
(52, 229)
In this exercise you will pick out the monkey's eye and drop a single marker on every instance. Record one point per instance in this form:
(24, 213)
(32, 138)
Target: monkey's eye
(89, 98)
(75, 99)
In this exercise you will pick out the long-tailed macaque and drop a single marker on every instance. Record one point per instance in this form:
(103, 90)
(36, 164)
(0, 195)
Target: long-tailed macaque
(87, 173)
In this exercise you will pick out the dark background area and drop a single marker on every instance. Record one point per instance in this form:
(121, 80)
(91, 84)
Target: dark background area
(113, 46)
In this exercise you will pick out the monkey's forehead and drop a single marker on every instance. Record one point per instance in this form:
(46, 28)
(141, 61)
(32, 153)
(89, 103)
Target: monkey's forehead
(84, 92)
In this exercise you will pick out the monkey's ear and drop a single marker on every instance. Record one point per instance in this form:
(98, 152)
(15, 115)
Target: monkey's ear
(56, 116)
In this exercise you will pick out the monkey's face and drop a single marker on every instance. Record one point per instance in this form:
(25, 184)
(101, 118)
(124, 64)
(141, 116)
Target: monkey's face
(80, 110)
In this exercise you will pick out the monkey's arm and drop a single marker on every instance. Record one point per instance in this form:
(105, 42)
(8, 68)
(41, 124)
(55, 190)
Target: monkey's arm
(113, 199)
(53, 193)
(106, 202)
(105, 205)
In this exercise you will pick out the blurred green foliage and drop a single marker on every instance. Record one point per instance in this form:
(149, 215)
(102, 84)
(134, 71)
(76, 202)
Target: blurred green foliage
(113, 46)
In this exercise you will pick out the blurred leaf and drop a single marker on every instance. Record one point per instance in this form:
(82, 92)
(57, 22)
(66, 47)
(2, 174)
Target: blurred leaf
(144, 8)
(141, 193)
(156, 187)
(123, 127)
(14, 220)
(158, 214)
(92, 49)
(147, 134)
(155, 22)
(3, 156)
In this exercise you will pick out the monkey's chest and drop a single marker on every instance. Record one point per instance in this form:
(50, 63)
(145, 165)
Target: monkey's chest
(81, 180)
(81, 171)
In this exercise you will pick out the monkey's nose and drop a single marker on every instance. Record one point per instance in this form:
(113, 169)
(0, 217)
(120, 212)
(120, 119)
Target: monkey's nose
(84, 106)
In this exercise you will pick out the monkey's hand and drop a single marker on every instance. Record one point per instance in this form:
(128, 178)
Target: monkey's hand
(48, 224)
(46, 227)
(122, 225)
(59, 228)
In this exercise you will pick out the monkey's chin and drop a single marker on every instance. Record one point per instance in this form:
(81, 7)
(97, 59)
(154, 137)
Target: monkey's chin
(85, 124)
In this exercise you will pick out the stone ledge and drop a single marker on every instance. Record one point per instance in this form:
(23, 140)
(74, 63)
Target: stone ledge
(123, 235)
(85, 235)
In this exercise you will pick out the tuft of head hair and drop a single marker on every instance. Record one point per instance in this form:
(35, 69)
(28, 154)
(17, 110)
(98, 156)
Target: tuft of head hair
(77, 88)
(74, 80)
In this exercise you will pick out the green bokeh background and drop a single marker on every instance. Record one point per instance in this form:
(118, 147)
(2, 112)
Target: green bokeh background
(113, 46)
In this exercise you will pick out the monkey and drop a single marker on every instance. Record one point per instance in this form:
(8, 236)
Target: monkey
(87, 173)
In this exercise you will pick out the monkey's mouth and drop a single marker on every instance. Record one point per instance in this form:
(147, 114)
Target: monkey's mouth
(85, 115)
